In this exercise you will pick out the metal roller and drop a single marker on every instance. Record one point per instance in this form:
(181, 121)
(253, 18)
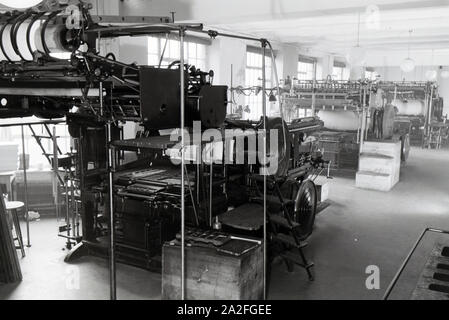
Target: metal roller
(410, 107)
(27, 33)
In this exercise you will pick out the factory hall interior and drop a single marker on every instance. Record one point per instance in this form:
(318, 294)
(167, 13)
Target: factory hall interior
(224, 150)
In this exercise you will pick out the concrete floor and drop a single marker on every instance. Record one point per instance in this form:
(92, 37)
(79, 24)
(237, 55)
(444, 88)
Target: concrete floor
(359, 229)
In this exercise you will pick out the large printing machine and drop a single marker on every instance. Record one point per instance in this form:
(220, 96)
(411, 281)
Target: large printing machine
(419, 108)
(98, 95)
(357, 111)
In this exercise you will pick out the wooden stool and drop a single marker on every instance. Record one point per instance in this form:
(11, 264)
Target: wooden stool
(13, 206)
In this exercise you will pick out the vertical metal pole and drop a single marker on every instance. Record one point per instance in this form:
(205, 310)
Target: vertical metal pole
(362, 130)
(25, 182)
(211, 179)
(55, 173)
(112, 269)
(77, 165)
(264, 111)
(67, 209)
(314, 89)
(368, 92)
(232, 89)
(72, 202)
(181, 74)
(429, 118)
(113, 284)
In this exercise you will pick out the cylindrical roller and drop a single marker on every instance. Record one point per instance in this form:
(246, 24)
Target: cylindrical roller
(22, 36)
(21, 40)
(340, 120)
(409, 107)
(388, 121)
(7, 45)
(53, 39)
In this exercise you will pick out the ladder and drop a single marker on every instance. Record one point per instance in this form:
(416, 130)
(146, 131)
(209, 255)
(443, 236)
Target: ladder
(283, 229)
(51, 136)
(52, 158)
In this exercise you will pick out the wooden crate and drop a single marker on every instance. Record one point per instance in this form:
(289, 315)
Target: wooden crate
(212, 275)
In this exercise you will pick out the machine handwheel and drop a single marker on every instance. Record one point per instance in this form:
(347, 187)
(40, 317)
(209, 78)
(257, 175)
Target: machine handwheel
(305, 208)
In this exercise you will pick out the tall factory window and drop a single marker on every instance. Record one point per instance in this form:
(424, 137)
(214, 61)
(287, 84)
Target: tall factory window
(340, 72)
(253, 78)
(305, 68)
(194, 53)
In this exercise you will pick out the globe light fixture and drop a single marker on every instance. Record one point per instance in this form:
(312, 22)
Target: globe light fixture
(357, 55)
(408, 65)
(444, 74)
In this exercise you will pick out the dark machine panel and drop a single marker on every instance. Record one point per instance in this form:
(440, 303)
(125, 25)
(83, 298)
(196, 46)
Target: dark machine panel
(160, 100)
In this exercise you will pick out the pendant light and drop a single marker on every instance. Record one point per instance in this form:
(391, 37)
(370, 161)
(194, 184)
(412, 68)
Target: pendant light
(431, 74)
(444, 74)
(357, 54)
(408, 65)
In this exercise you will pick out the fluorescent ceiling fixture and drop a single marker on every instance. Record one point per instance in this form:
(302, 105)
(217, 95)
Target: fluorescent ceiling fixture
(20, 4)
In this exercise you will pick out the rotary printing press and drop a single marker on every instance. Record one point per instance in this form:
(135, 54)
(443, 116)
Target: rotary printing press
(98, 95)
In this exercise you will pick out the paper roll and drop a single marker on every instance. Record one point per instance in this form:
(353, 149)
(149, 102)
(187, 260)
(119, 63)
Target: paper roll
(340, 120)
(410, 107)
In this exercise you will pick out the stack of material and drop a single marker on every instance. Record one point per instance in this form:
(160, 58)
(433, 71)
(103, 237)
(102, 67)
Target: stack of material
(10, 156)
(10, 271)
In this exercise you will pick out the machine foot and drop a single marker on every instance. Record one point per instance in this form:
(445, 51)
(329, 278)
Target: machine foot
(78, 251)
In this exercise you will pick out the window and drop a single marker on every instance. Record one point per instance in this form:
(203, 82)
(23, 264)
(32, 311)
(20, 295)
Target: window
(305, 68)
(194, 53)
(253, 78)
(340, 72)
(37, 159)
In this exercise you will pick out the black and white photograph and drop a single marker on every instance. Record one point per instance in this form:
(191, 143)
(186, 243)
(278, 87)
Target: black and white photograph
(212, 157)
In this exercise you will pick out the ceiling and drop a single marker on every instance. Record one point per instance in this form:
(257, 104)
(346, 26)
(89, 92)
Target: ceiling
(421, 27)
(323, 26)
(327, 26)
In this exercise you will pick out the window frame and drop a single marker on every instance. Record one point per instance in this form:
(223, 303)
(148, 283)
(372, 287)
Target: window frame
(306, 69)
(200, 46)
(253, 65)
